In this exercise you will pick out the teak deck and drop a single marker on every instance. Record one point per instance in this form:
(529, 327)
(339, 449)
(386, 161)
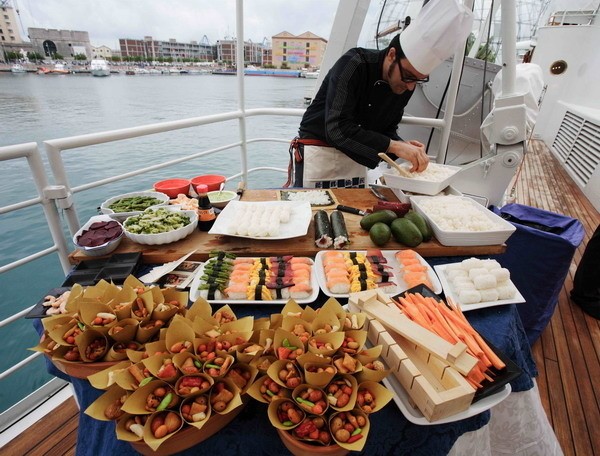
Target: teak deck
(567, 354)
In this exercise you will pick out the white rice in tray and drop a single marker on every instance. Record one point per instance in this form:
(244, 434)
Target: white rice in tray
(434, 173)
(314, 197)
(454, 213)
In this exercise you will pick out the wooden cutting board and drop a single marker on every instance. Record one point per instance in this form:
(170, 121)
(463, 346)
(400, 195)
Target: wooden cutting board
(360, 198)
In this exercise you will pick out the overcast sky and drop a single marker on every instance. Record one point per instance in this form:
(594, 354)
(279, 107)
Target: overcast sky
(185, 20)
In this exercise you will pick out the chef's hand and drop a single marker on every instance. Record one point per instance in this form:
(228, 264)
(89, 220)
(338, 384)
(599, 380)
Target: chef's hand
(413, 151)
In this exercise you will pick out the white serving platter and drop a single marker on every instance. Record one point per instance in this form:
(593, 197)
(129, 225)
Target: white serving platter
(195, 293)
(389, 255)
(300, 218)
(466, 238)
(121, 216)
(449, 292)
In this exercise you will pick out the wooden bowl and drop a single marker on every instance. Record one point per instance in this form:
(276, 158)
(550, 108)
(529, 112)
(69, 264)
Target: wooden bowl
(190, 436)
(298, 448)
(81, 370)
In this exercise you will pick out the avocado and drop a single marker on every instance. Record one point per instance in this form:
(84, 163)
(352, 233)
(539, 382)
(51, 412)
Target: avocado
(385, 216)
(421, 223)
(380, 233)
(406, 232)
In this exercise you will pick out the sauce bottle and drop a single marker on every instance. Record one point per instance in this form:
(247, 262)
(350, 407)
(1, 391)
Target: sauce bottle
(206, 213)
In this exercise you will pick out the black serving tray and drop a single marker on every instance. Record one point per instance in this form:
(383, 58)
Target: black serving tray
(501, 378)
(39, 311)
(115, 268)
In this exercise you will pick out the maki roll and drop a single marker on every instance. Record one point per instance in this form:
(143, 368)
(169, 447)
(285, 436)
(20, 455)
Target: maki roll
(340, 233)
(323, 230)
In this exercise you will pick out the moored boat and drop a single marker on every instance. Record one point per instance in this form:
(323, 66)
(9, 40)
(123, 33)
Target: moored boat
(99, 68)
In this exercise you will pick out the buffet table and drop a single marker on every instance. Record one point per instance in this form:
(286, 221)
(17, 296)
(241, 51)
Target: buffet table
(391, 433)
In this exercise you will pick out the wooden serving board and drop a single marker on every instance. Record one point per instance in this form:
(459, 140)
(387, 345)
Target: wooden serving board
(360, 198)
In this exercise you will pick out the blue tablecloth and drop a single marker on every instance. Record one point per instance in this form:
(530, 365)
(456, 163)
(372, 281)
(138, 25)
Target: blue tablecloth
(391, 433)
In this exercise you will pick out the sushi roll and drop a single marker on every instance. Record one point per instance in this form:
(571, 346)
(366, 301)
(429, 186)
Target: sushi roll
(474, 272)
(300, 291)
(489, 294)
(340, 234)
(339, 285)
(323, 230)
(501, 274)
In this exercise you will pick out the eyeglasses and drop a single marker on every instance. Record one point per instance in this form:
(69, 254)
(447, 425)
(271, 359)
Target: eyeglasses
(410, 79)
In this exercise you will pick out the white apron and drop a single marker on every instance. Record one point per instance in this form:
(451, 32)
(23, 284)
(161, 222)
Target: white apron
(327, 167)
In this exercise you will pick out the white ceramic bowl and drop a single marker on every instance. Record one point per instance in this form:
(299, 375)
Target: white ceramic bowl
(100, 250)
(168, 236)
(121, 216)
(220, 199)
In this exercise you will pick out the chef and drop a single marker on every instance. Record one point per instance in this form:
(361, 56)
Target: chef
(356, 112)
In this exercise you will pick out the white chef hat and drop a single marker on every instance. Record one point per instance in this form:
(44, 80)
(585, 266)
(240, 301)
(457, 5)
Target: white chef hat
(440, 27)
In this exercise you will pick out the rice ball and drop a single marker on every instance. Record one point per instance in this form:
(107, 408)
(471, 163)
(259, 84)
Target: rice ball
(501, 274)
(463, 282)
(485, 281)
(453, 274)
(469, 296)
(489, 294)
(506, 291)
(453, 267)
(490, 264)
(471, 263)
(474, 272)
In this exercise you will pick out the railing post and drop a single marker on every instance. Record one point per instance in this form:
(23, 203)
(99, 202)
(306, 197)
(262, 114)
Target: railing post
(239, 57)
(60, 175)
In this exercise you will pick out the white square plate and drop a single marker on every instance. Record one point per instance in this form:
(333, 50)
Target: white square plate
(449, 292)
(300, 218)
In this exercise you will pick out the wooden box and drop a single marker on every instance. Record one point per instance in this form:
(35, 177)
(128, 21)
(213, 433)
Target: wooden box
(436, 388)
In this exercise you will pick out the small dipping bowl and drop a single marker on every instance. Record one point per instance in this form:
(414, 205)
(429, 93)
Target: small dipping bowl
(220, 199)
(173, 187)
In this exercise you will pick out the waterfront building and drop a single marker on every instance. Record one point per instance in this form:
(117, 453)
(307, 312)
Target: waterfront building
(102, 52)
(67, 43)
(150, 49)
(297, 52)
(253, 52)
(9, 28)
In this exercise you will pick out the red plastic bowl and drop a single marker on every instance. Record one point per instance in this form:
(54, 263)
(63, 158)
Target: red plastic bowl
(213, 181)
(173, 187)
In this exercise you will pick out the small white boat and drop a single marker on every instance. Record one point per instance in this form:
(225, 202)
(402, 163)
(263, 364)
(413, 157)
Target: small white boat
(18, 69)
(311, 74)
(99, 67)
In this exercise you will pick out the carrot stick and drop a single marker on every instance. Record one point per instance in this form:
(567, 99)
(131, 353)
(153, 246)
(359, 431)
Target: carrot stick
(494, 359)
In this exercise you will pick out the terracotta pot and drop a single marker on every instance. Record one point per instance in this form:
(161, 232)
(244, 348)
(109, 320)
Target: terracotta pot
(298, 448)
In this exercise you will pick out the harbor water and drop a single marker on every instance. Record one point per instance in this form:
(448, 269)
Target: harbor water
(34, 108)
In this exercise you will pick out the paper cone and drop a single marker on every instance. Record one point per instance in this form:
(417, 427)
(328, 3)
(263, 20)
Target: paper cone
(346, 364)
(142, 402)
(262, 363)
(72, 305)
(149, 437)
(285, 373)
(108, 406)
(319, 374)
(125, 330)
(326, 344)
(61, 333)
(188, 410)
(143, 305)
(187, 363)
(92, 345)
(219, 366)
(353, 320)
(297, 326)
(124, 425)
(118, 351)
(134, 283)
(280, 412)
(325, 322)
(303, 396)
(309, 357)
(332, 305)
(215, 395)
(245, 353)
(261, 323)
(180, 337)
(230, 342)
(242, 375)
(369, 354)
(309, 314)
(266, 390)
(88, 314)
(200, 308)
(55, 321)
(380, 396)
(158, 347)
(359, 444)
(287, 345)
(225, 315)
(291, 308)
(147, 330)
(175, 297)
(108, 377)
(266, 338)
(201, 384)
(162, 367)
(276, 320)
(240, 325)
(354, 341)
(341, 392)
(128, 381)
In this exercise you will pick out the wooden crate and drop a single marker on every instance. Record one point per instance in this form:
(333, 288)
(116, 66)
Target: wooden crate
(436, 388)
